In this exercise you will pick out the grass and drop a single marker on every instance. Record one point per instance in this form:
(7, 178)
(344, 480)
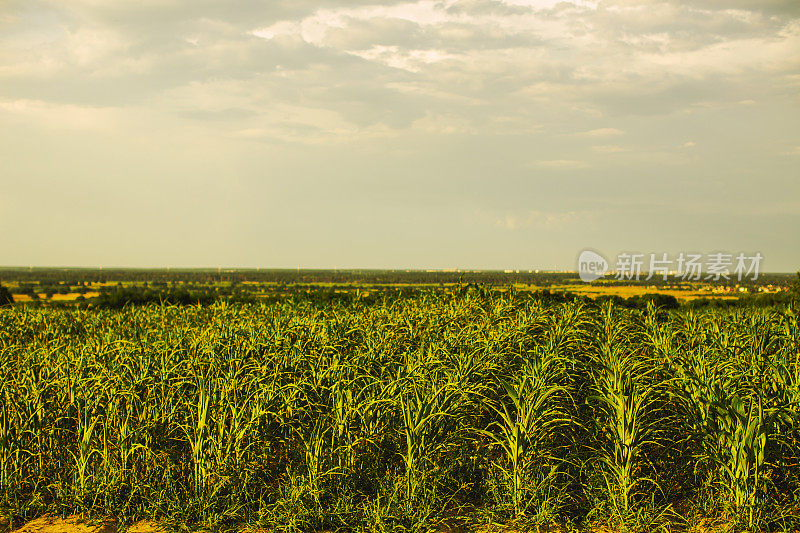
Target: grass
(408, 414)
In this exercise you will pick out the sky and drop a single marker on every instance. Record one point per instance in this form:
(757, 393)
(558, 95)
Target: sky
(478, 134)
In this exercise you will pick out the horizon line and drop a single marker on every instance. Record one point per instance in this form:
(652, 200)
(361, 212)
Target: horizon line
(328, 269)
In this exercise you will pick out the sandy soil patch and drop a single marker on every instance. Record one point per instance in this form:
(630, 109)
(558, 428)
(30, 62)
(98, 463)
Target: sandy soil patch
(72, 524)
(55, 524)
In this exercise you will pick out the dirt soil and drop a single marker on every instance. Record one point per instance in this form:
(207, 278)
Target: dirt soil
(72, 524)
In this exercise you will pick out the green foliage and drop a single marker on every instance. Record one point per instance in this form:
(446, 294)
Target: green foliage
(398, 414)
(5, 297)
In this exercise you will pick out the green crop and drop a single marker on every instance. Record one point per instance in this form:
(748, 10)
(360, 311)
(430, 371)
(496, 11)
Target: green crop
(406, 414)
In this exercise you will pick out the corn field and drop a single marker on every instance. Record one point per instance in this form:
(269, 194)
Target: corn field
(410, 414)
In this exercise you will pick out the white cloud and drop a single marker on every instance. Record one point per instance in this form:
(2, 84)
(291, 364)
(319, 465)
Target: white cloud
(58, 116)
(549, 220)
(562, 164)
(486, 58)
(601, 132)
(609, 149)
(410, 60)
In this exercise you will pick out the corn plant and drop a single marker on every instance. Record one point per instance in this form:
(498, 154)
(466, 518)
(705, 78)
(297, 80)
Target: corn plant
(87, 420)
(198, 433)
(722, 387)
(528, 414)
(425, 410)
(8, 438)
(625, 394)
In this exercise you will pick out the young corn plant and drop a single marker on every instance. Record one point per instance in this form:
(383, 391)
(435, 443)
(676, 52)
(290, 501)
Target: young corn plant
(727, 416)
(314, 444)
(345, 409)
(426, 410)
(8, 438)
(87, 420)
(625, 398)
(198, 432)
(33, 389)
(237, 414)
(782, 393)
(529, 412)
(741, 439)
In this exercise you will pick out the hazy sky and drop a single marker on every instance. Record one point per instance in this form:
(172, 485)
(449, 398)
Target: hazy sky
(409, 134)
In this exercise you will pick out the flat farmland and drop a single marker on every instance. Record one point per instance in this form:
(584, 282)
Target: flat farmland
(628, 291)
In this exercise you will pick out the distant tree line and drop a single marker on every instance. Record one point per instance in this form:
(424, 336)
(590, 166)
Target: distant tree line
(198, 293)
(75, 277)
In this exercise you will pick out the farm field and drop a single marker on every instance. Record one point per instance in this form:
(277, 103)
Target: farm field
(591, 291)
(461, 411)
(627, 291)
(400, 266)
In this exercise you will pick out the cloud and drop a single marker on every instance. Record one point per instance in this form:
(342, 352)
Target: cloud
(487, 58)
(609, 149)
(601, 132)
(58, 117)
(549, 220)
(358, 108)
(550, 63)
(562, 164)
